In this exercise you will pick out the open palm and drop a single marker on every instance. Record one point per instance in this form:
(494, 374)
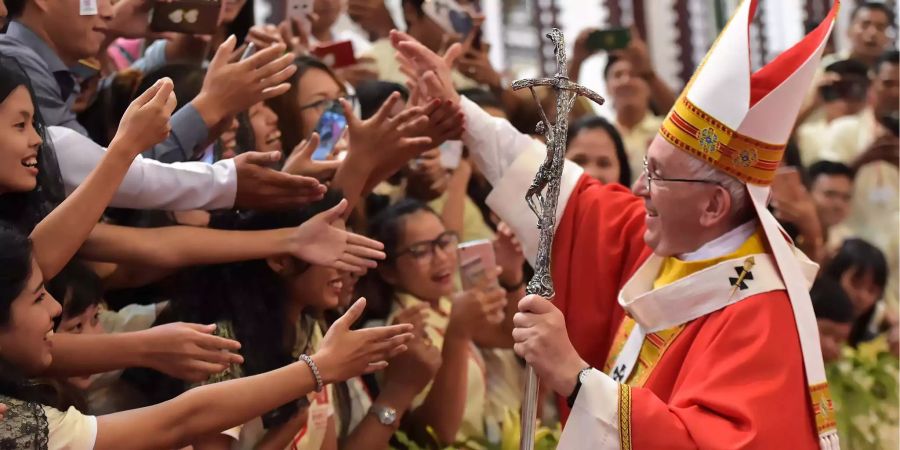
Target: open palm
(323, 241)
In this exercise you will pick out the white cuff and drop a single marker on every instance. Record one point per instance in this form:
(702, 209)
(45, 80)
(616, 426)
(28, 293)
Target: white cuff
(507, 199)
(493, 142)
(595, 419)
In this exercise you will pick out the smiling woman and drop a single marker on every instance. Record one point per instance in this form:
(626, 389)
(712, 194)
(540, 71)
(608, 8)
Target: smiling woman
(301, 108)
(30, 184)
(27, 312)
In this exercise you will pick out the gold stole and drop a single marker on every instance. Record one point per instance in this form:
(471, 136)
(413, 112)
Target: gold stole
(655, 344)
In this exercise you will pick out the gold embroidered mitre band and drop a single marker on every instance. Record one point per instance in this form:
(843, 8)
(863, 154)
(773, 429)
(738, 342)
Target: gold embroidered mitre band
(689, 128)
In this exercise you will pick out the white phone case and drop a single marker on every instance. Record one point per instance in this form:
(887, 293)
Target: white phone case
(300, 9)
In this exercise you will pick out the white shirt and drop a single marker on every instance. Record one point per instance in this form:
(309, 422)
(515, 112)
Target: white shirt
(70, 430)
(149, 184)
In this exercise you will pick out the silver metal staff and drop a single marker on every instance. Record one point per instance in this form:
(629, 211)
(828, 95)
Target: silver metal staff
(542, 198)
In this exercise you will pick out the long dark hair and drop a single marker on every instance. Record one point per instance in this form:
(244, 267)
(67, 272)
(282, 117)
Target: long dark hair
(862, 257)
(250, 296)
(242, 23)
(288, 108)
(386, 227)
(25, 209)
(15, 269)
(597, 122)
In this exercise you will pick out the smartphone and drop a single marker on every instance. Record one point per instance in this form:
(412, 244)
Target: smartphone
(476, 260)
(330, 128)
(449, 15)
(609, 39)
(891, 121)
(185, 16)
(337, 55)
(301, 10)
(249, 51)
(86, 69)
(451, 154)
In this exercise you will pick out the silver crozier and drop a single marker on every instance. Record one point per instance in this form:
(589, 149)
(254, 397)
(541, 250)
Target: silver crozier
(542, 197)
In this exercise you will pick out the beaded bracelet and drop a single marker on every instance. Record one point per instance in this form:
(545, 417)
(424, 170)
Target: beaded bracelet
(315, 370)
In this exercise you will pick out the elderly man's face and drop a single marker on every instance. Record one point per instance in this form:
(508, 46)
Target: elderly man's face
(673, 208)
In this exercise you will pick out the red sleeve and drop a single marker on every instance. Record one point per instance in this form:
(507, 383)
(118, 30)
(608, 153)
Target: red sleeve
(598, 245)
(741, 385)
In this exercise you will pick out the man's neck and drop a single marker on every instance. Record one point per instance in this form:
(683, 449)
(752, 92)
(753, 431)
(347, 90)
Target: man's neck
(323, 35)
(33, 23)
(876, 112)
(629, 116)
(721, 242)
(868, 60)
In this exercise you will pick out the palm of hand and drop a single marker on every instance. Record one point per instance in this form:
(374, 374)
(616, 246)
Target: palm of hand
(320, 242)
(416, 366)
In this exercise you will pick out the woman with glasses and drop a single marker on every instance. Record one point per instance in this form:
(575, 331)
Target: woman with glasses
(315, 89)
(420, 270)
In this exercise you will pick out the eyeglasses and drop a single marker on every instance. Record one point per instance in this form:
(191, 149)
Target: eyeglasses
(650, 178)
(328, 103)
(425, 250)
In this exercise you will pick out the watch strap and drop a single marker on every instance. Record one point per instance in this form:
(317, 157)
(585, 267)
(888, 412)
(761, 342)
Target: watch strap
(574, 395)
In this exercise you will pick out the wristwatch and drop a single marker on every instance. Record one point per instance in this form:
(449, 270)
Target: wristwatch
(385, 414)
(582, 375)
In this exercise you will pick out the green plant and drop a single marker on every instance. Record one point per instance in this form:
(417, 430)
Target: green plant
(864, 387)
(546, 438)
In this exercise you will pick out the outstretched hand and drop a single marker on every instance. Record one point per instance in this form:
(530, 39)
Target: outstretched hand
(384, 140)
(301, 163)
(418, 62)
(322, 241)
(346, 353)
(233, 85)
(188, 351)
(261, 187)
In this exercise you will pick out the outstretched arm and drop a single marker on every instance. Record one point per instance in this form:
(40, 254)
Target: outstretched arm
(316, 241)
(216, 407)
(181, 246)
(181, 350)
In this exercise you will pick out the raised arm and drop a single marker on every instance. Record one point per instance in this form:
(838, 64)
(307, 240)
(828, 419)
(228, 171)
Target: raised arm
(219, 406)
(379, 146)
(453, 214)
(230, 86)
(506, 157)
(59, 235)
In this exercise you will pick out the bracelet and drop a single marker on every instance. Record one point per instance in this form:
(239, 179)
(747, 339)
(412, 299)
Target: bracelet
(315, 371)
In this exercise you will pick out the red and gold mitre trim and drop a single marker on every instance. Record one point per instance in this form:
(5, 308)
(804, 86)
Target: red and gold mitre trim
(823, 408)
(689, 128)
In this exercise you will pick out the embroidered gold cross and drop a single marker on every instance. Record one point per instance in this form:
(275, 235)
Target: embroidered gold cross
(743, 274)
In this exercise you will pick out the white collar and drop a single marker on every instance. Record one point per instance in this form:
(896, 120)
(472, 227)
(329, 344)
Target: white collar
(723, 245)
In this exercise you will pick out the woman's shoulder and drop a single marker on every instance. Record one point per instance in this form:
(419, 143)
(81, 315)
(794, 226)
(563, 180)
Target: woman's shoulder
(70, 429)
(24, 424)
(32, 425)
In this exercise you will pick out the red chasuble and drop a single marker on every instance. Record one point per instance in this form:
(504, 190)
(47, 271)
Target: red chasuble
(731, 379)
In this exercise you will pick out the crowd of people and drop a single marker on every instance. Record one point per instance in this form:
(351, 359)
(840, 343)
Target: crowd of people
(223, 241)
